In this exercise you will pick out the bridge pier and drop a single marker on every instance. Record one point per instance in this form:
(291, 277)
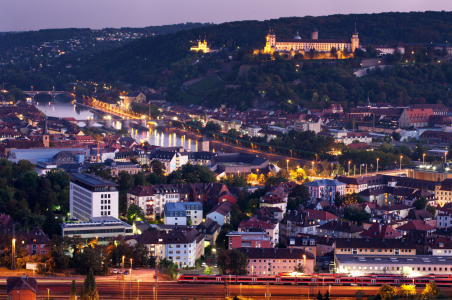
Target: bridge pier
(90, 122)
(125, 123)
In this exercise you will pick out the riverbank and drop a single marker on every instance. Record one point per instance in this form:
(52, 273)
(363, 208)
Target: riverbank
(230, 148)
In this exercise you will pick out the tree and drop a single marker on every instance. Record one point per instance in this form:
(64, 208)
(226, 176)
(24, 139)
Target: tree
(359, 295)
(208, 271)
(232, 262)
(125, 181)
(319, 296)
(157, 167)
(327, 295)
(297, 196)
(387, 291)
(431, 291)
(139, 179)
(135, 213)
(299, 268)
(90, 289)
(396, 136)
(211, 126)
(73, 294)
(408, 291)
(420, 203)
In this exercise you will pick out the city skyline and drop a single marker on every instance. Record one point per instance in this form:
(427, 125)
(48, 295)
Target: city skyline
(22, 14)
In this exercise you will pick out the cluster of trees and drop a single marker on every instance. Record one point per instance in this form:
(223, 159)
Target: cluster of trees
(388, 157)
(407, 291)
(144, 109)
(32, 200)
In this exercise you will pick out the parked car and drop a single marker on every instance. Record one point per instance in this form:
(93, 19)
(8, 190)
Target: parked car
(215, 266)
(119, 271)
(115, 271)
(208, 260)
(126, 272)
(136, 268)
(203, 264)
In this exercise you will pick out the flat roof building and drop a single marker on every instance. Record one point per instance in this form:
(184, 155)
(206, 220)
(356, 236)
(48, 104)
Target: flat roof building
(101, 228)
(92, 196)
(411, 265)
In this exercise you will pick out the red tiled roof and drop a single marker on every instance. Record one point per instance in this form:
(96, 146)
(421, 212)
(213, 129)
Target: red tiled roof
(322, 215)
(415, 225)
(381, 231)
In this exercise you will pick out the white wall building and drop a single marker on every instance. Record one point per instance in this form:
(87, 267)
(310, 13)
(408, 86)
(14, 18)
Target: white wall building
(92, 196)
(171, 160)
(305, 126)
(179, 213)
(221, 213)
(325, 189)
(152, 199)
(182, 246)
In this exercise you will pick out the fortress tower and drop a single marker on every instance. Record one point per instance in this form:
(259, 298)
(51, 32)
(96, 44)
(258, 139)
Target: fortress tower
(314, 34)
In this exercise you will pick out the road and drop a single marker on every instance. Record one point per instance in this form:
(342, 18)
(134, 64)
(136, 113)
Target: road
(112, 289)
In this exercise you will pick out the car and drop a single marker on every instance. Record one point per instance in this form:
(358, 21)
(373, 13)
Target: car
(203, 264)
(208, 260)
(119, 271)
(215, 266)
(115, 271)
(136, 268)
(177, 270)
(126, 272)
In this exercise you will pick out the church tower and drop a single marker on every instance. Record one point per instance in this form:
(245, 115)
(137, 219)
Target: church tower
(355, 40)
(46, 135)
(270, 44)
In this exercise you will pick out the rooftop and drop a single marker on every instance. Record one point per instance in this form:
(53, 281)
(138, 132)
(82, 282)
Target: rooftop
(92, 180)
(393, 259)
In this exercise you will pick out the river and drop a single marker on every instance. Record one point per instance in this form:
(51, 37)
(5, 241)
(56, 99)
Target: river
(158, 137)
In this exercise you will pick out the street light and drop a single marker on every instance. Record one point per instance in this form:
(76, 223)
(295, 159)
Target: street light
(349, 167)
(377, 165)
(123, 262)
(48, 293)
(287, 161)
(401, 162)
(423, 159)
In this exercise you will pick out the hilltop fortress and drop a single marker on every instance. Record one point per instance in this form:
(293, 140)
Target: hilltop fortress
(291, 47)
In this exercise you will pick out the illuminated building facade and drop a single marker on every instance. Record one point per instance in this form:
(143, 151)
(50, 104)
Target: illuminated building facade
(302, 46)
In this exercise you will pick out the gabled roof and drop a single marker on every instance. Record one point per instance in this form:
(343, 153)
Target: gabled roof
(224, 208)
(321, 215)
(381, 231)
(416, 225)
(21, 283)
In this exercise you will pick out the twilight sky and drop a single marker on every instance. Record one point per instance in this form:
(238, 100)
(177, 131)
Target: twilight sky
(40, 14)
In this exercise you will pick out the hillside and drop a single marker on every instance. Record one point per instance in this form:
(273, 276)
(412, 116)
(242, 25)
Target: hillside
(165, 61)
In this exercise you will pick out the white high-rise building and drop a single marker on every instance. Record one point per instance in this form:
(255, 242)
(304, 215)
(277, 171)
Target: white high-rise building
(92, 196)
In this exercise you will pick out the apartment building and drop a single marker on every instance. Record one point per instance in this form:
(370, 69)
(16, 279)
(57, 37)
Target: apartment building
(181, 213)
(272, 261)
(182, 246)
(253, 239)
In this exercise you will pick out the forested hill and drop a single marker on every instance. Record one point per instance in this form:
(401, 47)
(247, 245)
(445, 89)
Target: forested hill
(10, 41)
(135, 61)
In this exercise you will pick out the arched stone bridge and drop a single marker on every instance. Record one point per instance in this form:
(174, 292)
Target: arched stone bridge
(32, 94)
